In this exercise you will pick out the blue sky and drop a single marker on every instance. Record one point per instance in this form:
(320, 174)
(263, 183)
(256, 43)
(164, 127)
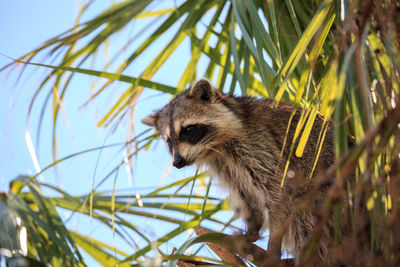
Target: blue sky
(24, 26)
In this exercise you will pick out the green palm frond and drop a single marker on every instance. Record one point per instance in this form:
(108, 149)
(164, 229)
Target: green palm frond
(338, 59)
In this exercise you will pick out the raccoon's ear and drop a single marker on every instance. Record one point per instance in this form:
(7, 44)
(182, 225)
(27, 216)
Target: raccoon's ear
(202, 89)
(151, 119)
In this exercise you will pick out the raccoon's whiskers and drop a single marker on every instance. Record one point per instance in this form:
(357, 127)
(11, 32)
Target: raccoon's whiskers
(208, 137)
(215, 150)
(206, 144)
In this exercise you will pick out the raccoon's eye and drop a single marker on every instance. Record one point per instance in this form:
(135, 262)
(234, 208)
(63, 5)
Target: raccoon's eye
(194, 133)
(189, 129)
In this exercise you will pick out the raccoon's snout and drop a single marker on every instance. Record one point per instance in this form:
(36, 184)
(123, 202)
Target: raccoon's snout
(179, 162)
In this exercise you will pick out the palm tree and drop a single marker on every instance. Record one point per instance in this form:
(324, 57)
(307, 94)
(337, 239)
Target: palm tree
(339, 59)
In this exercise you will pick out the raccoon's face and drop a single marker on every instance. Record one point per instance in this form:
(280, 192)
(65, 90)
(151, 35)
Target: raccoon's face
(195, 124)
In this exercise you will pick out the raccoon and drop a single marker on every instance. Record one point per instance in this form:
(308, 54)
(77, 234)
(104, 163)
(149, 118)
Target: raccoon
(245, 142)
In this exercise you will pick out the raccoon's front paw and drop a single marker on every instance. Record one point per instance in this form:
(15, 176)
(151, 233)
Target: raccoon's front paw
(252, 236)
(253, 229)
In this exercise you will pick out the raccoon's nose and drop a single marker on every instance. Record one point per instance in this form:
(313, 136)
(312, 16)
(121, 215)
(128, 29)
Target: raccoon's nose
(179, 162)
